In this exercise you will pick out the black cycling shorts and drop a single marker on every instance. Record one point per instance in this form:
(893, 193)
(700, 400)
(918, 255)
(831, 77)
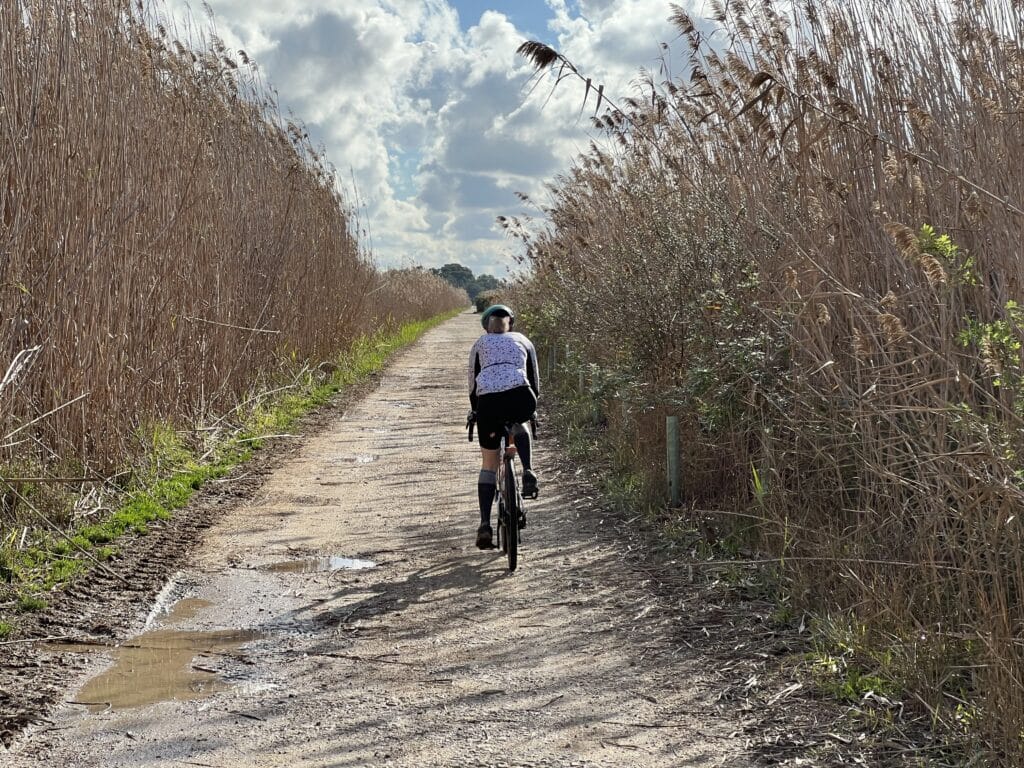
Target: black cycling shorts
(496, 409)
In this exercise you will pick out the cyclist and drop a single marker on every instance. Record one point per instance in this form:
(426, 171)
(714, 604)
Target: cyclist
(503, 387)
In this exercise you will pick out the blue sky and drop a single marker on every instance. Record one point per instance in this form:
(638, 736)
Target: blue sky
(528, 16)
(426, 106)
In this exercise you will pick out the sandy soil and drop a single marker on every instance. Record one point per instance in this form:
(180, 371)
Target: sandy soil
(436, 656)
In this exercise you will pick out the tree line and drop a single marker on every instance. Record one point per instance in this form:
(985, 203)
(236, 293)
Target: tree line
(462, 277)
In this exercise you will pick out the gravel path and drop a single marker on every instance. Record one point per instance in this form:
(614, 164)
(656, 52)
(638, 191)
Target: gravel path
(435, 656)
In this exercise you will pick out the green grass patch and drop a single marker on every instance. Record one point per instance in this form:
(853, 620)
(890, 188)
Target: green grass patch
(172, 471)
(842, 679)
(844, 664)
(28, 602)
(6, 629)
(60, 571)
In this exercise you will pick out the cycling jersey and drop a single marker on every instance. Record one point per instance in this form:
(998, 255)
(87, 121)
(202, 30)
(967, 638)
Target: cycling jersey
(499, 362)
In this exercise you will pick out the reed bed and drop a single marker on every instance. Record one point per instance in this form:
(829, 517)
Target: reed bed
(169, 242)
(808, 247)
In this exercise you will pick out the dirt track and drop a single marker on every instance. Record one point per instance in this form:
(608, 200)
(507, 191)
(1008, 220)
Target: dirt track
(435, 657)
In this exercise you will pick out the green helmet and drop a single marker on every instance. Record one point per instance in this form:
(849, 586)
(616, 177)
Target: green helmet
(498, 309)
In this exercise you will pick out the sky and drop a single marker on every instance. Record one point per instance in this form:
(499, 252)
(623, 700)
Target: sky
(426, 112)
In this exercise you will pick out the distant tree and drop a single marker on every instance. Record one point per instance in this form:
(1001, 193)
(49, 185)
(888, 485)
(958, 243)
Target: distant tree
(487, 283)
(462, 277)
(457, 275)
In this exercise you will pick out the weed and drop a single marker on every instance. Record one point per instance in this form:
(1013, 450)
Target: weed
(28, 603)
(842, 679)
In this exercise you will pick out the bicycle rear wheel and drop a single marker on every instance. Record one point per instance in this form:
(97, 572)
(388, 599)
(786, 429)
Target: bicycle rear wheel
(511, 517)
(501, 529)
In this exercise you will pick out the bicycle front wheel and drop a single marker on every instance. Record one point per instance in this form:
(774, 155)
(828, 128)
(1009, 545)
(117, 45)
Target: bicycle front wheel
(502, 528)
(511, 496)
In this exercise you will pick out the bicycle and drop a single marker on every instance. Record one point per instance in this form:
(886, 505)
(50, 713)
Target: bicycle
(510, 500)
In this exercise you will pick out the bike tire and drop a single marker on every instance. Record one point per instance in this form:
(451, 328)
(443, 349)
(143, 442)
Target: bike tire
(501, 529)
(511, 494)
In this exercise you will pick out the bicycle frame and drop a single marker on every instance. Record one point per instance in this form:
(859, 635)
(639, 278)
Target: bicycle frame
(510, 501)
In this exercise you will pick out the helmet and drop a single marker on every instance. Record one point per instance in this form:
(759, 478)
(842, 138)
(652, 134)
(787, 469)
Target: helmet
(498, 309)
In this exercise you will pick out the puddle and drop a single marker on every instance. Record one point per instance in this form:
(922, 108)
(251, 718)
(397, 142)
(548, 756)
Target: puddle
(319, 565)
(160, 665)
(183, 610)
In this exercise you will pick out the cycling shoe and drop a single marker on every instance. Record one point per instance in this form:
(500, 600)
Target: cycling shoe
(529, 484)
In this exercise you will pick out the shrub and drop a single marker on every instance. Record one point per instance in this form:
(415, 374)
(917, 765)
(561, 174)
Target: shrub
(486, 299)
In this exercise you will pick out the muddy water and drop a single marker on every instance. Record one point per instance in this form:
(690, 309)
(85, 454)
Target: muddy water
(319, 565)
(160, 665)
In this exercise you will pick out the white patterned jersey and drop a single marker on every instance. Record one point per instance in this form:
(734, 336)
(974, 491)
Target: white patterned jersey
(502, 361)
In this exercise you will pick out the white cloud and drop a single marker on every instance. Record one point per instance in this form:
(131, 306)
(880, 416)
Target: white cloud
(432, 121)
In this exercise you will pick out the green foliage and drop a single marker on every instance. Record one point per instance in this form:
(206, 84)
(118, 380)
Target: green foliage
(998, 344)
(462, 277)
(60, 571)
(487, 283)
(486, 299)
(837, 663)
(455, 274)
(6, 628)
(28, 603)
(844, 681)
(960, 268)
(164, 448)
(759, 490)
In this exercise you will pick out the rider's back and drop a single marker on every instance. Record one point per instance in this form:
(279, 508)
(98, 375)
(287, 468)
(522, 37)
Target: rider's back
(500, 362)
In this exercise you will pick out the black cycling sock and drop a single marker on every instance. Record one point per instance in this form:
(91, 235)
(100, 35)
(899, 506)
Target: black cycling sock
(485, 488)
(522, 441)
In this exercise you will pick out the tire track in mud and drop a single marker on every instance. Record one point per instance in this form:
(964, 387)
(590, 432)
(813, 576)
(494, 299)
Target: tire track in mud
(434, 657)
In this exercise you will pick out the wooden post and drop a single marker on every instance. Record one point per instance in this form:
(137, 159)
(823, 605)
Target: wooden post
(672, 459)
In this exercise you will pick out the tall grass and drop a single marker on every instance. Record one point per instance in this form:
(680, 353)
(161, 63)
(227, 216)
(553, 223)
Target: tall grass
(808, 247)
(170, 244)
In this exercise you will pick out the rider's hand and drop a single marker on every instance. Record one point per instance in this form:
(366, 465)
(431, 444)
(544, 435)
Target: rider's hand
(470, 417)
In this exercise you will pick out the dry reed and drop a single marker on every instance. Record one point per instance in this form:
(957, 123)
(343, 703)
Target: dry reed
(759, 249)
(169, 243)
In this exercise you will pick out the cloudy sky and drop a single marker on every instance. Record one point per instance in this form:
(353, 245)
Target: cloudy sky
(426, 106)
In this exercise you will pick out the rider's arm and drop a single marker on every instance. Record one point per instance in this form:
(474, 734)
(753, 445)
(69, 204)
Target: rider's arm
(532, 369)
(474, 369)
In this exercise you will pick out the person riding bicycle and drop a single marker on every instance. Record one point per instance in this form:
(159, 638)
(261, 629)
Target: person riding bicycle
(503, 388)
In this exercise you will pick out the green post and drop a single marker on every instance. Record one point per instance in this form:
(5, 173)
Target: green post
(672, 459)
